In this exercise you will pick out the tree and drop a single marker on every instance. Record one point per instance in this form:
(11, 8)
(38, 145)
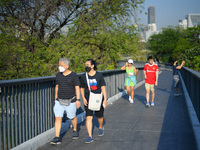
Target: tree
(32, 43)
(40, 18)
(177, 43)
(164, 43)
(188, 47)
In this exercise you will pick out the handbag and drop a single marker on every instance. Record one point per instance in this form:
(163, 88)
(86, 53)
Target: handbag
(95, 100)
(65, 102)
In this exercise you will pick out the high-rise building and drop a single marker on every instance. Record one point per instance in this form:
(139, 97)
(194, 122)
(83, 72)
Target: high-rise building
(151, 28)
(193, 20)
(151, 15)
(183, 23)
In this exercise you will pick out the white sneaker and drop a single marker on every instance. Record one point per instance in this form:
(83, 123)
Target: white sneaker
(131, 101)
(152, 103)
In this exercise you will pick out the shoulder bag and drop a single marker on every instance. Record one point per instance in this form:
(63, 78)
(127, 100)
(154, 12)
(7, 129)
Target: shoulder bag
(94, 99)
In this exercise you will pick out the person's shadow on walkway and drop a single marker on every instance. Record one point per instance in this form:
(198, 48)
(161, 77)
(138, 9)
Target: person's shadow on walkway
(83, 123)
(140, 98)
(164, 90)
(64, 118)
(120, 89)
(126, 97)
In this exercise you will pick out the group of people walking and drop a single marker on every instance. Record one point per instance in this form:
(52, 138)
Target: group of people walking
(92, 88)
(150, 75)
(67, 97)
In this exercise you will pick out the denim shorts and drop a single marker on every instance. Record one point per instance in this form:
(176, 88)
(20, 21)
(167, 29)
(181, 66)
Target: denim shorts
(60, 109)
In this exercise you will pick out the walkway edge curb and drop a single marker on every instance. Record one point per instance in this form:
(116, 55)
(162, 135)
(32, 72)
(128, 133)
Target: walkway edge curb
(45, 137)
(192, 114)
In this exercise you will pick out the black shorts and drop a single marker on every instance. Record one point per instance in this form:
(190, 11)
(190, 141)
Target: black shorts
(98, 114)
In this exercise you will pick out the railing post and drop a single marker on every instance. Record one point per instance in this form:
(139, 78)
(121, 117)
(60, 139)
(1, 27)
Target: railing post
(27, 105)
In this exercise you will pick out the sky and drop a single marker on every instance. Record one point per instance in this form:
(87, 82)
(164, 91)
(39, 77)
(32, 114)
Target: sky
(169, 12)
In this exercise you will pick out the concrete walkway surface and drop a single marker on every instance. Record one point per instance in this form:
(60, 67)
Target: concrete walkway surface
(166, 126)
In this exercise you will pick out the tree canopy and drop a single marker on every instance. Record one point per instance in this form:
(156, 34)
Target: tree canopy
(177, 43)
(32, 39)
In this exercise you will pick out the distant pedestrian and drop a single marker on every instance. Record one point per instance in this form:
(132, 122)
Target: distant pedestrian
(176, 69)
(93, 86)
(130, 81)
(67, 98)
(151, 79)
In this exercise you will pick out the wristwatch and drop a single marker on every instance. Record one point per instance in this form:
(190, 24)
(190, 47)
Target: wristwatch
(105, 98)
(78, 100)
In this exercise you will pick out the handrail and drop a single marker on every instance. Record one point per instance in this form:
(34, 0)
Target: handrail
(191, 79)
(26, 107)
(26, 104)
(44, 79)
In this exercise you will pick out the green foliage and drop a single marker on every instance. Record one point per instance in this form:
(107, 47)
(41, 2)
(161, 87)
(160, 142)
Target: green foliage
(192, 56)
(197, 63)
(164, 43)
(100, 30)
(177, 43)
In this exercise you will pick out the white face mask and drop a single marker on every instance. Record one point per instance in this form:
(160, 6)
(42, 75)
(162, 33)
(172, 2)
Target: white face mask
(61, 69)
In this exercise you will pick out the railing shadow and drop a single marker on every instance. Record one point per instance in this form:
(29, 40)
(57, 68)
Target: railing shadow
(176, 132)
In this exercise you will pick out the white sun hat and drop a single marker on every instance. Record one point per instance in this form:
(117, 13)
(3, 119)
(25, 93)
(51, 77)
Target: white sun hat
(130, 61)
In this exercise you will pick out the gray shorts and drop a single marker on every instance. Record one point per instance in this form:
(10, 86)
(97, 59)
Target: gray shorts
(176, 81)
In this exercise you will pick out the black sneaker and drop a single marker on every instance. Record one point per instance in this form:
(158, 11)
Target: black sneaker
(89, 140)
(101, 133)
(56, 141)
(75, 135)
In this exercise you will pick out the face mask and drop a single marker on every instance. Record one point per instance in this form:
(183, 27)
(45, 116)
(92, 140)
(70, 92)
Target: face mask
(87, 69)
(61, 69)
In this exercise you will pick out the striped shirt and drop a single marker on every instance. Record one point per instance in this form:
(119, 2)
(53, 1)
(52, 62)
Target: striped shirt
(66, 85)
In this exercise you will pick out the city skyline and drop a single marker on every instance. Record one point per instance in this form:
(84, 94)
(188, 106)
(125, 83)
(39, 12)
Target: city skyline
(168, 13)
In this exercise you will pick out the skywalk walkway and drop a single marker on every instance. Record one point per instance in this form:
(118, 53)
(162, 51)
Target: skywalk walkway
(166, 126)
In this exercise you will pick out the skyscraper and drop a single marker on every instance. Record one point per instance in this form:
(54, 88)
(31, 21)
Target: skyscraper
(151, 28)
(151, 15)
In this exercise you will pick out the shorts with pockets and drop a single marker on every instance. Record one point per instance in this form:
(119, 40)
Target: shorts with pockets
(60, 109)
(149, 86)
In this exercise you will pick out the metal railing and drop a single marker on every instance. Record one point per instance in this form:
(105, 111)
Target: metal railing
(137, 64)
(26, 105)
(192, 82)
(25, 109)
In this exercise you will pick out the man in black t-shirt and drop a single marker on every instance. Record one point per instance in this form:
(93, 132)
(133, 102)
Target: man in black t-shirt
(97, 85)
(67, 98)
